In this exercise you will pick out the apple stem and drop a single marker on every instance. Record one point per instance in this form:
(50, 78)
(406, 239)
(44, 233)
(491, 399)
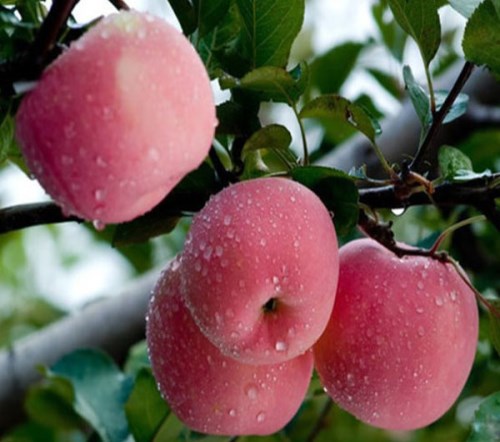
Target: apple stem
(478, 294)
(452, 228)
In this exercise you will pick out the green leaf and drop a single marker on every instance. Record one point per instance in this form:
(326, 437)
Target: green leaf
(137, 358)
(392, 35)
(458, 108)
(274, 83)
(330, 70)
(481, 43)
(486, 425)
(419, 97)
(451, 161)
(495, 325)
(387, 81)
(420, 19)
(270, 137)
(186, 15)
(209, 14)
(340, 109)
(145, 409)
(100, 391)
(269, 28)
(337, 191)
(190, 195)
(465, 7)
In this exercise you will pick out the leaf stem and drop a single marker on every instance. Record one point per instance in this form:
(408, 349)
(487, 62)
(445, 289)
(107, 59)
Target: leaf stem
(430, 86)
(320, 422)
(305, 160)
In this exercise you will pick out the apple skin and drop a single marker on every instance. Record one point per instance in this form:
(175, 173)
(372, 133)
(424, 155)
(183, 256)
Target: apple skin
(210, 392)
(401, 340)
(262, 270)
(118, 119)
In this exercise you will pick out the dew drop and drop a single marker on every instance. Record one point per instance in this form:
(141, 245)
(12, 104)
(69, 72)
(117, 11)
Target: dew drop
(420, 310)
(280, 346)
(261, 417)
(219, 251)
(398, 211)
(66, 160)
(227, 220)
(98, 225)
(453, 295)
(439, 301)
(421, 331)
(420, 285)
(232, 412)
(99, 195)
(251, 391)
(100, 162)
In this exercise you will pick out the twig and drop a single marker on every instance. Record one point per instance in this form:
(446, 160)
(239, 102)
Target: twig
(320, 423)
(120, 4)
(424, 152)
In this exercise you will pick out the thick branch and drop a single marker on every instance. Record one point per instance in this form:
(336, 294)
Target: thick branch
(112, 324)
(27, 215)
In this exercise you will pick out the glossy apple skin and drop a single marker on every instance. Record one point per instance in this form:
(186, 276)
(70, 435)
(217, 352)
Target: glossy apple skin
(118, 119)
(210, 392)
(256, 241)
(401, 340)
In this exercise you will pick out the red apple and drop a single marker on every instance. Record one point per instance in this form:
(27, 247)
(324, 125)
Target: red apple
(208, 391)
(401, 340)
(118, 119)
(260, 270)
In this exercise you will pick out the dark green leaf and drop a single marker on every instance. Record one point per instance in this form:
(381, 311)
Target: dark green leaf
(186, 15)
(137, 358)
(465, 7)
(337, 191)
(495, 325)
(275, 84)
(387, 81)
(190, 195)
(330, 70)
(270, 137)
(393, 36)
(269, 29)
(451, 161)
(210, 13)
(51, 404)
(340, 109)
(420, 19)
(418, 96)
(100, 391)
(145, 409)
(482, 148)
(481, 43)
(486, 425)
(236, 119)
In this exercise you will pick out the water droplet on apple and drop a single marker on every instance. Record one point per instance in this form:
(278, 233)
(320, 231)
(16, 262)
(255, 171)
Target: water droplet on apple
(421, 331)
(98, 225)
(280, 346)
(251, 391)
(99, 195)
(227, 220)
(439, 301)
(261, 417)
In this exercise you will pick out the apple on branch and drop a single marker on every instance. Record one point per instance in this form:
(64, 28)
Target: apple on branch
(118, 119)
(401, 340)
(260, 269)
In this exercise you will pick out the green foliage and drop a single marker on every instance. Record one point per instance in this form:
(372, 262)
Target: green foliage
(452, 161)
(420, 20)
(486, 426)
(481, 42)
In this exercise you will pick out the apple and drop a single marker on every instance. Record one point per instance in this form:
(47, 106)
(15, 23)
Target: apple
(118, 119)
(401, 340)
(261, 270)
(210, 392)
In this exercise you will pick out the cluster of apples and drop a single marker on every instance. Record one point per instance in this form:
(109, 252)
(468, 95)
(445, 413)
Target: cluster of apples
(261, 293)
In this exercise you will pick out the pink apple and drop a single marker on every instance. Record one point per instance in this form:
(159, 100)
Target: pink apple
(118, 119)
(208, 391)
(401, 340)
(260, 270)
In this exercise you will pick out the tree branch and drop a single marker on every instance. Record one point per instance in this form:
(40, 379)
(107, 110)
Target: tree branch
(425, 152)
(112, 324)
